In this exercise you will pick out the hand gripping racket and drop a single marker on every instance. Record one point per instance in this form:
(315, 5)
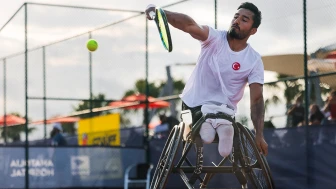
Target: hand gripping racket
(161, 21)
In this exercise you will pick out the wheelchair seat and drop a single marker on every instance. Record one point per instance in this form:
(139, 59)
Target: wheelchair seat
(186, 117)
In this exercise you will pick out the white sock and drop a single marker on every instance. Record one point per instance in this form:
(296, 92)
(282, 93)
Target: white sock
(225, 135)
(207, 133)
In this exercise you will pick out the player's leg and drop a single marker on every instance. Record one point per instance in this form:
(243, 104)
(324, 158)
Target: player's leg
(225, 134)
(207, 133)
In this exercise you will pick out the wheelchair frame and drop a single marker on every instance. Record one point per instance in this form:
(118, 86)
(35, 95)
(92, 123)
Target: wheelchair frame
(247, 164)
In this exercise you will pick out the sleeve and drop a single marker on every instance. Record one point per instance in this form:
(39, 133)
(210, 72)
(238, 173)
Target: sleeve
(213, 36)
(257, 73)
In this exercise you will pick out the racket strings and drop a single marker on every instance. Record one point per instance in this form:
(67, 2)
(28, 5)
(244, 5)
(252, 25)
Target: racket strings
(163, 28)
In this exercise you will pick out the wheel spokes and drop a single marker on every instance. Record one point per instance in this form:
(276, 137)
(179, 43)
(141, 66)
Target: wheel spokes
(255, 166)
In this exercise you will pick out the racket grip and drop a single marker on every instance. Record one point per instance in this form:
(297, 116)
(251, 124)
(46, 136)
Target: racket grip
(152, 14)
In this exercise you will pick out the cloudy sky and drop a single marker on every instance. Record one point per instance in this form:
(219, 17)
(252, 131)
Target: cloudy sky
(120, 59)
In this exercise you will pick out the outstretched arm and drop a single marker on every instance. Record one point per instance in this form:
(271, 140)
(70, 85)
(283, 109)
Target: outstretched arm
(188, 25)
(185, 23)
(257, 115)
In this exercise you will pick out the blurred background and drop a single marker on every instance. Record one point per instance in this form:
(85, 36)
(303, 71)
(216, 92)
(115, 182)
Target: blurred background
(48, 77)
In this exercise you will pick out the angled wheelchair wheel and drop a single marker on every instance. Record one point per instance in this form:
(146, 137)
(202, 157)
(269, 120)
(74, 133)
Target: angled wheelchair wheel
(256, 166)
(268, 169)
(167, 157)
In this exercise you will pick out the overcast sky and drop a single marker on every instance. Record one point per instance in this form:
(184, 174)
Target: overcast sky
(120, 59)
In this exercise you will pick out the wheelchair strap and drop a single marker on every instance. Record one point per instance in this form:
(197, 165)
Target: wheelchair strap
(199, 160)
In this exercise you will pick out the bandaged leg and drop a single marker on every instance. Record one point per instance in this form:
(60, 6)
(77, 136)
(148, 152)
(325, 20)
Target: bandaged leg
(225, 135)
(207, 133)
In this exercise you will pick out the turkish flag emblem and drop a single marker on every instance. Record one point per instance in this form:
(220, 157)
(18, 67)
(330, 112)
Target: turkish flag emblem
(236, 66)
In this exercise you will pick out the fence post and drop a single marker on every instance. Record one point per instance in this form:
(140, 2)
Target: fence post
(5, 100)
(26, 100)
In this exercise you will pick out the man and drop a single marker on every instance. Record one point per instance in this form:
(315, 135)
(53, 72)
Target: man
(224, 67)
(60, 156)
(56, 135)
(167, 124)
(297, 112)
(170, 120)
(330, 106)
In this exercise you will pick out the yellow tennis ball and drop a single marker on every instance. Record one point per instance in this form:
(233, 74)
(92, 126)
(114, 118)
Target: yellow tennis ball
(92, 45)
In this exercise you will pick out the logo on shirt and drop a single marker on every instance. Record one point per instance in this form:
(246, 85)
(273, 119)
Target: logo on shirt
(236, 66)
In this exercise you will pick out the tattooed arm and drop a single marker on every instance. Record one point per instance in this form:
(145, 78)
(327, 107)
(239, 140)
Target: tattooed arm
(188, 25)
(257, 115)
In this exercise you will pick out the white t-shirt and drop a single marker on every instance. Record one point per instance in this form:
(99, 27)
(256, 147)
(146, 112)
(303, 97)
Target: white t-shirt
(220, 75)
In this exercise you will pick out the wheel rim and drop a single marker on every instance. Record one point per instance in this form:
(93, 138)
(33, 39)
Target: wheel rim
(166, 159)
(256, 169)
(157, 178)
(252, 161)
(165, 164)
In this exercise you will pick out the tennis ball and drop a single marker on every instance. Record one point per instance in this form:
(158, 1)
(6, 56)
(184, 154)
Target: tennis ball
(92, 45)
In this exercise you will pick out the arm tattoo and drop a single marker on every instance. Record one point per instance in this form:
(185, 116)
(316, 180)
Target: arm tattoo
(257, 115)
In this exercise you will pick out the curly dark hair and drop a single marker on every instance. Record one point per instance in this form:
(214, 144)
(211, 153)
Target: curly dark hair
(255, 10)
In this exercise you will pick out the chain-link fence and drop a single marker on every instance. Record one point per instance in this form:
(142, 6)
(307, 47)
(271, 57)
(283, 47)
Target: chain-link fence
(47, 71)
(61, 72)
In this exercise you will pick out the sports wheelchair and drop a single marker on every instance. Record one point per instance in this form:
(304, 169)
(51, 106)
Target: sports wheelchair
(245, 162)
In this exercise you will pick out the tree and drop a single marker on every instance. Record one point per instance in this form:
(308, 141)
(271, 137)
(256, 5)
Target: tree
(140, 87)
(97, 102)
(154, 91)
(292, 89)
(274, 99)
(13, 132)
(69, 128)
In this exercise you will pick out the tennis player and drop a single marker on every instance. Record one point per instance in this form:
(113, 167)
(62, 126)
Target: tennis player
(226, 64)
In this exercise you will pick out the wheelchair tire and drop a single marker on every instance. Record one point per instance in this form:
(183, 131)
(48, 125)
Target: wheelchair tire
(164, 166)
(256, 166)
(265, 162)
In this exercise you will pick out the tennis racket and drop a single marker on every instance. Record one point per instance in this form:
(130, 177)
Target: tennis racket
(161, 21)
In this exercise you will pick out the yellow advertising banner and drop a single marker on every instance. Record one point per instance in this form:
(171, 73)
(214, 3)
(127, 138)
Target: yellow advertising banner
(100, 130)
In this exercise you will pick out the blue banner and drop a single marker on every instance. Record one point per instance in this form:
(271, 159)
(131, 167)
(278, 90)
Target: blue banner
(299, 158)
(66, 167)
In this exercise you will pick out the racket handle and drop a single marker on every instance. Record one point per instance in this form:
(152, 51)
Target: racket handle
(152, 14)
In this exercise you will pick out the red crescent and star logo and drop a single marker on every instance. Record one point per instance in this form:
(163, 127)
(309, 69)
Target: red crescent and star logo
(236, 66)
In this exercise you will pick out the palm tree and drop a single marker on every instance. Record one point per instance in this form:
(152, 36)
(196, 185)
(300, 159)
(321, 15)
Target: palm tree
(292, 90)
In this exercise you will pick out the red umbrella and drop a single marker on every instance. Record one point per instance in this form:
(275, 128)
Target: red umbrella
(331, 55)
(139, 98)
(11, 120)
